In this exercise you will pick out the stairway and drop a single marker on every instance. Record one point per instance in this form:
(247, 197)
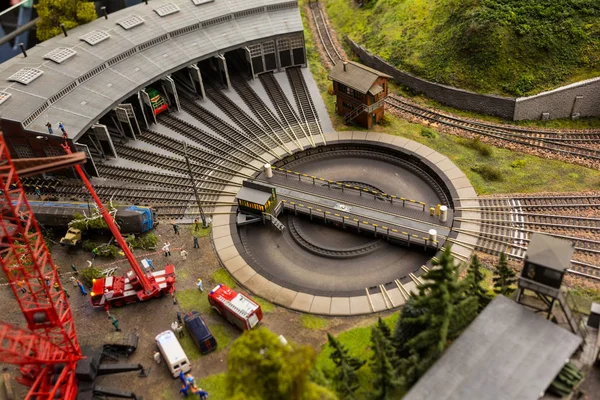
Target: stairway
(354, 113)
(276, 223)
(573, 319)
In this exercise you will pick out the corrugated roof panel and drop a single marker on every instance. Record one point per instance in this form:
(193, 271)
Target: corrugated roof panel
(25, 75)
(200, 2)
(130, 22)
(95, 37)
(60, 54)
(166, 9)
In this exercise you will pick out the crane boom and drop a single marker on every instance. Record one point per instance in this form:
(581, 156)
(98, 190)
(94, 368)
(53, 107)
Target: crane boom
(148, 283)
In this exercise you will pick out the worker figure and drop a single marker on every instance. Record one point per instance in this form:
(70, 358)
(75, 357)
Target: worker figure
(190, 380)
(115, 323)
(149, 261)
(56, 286)
(74, 268)
(81, 287)
(61, 127)
(184, 254)
(49, 126)
(21, 285)
(177, 329)
(38, 192)
(199, 285)
(196, 245)
(196, 225)
(184, 390)
(65, 135)
(47, 281)
(156, 357)
(166, 249)
(175, 227)
(202, 394)
(73, 281)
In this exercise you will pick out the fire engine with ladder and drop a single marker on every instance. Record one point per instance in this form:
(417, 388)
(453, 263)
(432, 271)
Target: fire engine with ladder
(47, 352)
(237, 308)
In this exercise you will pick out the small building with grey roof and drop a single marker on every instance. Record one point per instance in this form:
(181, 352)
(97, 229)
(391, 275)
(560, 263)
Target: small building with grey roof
(507, 353)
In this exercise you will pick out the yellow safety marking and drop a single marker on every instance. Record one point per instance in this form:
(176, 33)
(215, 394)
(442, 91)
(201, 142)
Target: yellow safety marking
(416, 236)
(330, 181)
(339, 183)
(301, 205)
(319, 210)
(412, 201)
(309, 207)
(384, 227)
(337, 215)
(375, 225)
(402, 198)
(405, 233)
(288, 170)
(421, 203)
(356, 219)
(291, 202)
(424, 238)
(366, 222)
(283, 201)
(327, 212)
(384, 194)
(374, 191)
(345, 216)
(321, 179)
(365, 190)
(355, 187)
(393, 197)
(304, 175)
(297, 173)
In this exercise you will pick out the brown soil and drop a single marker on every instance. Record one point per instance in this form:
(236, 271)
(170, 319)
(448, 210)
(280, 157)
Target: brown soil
(152, 317)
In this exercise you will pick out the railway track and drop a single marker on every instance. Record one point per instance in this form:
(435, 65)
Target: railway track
(325, 35)
(286, 112)
(263, 113)
(304, 102)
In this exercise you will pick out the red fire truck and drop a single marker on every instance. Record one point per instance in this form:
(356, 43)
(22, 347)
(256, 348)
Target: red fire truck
(120, 290)
(240, 310)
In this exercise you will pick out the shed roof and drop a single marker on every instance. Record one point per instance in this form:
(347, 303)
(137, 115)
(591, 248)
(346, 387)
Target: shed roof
(253, 195)
(98, 76)
(550, 252)
(507, 353)
(357, 76)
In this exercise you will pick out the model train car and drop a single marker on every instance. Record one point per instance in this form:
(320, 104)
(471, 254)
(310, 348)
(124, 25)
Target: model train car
(131, 219)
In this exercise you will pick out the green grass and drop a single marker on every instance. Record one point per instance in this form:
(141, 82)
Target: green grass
(215, 385)
(357, 341)
(313, 322)
(192, 299)
(203, 232)
(222, 276)
(507, 47)
(583, 298)
(266, 306)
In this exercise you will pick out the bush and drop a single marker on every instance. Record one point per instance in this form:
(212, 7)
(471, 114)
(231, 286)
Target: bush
(88, 245)
(517, 164)
(146, 242)
(87, 274)
(106, 250)
(476, 144)
(80, 223)
(489, 173)
(426, 132)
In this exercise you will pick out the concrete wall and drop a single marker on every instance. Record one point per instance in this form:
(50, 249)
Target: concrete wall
(503, 107)
(580, 99)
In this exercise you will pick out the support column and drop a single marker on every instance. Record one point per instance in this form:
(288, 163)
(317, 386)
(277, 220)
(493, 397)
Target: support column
(145, 99)
(89, 166)
(101, 132)
(249, 59)
(196, 76)
(171, 88)
(126, 114)
(223, 65)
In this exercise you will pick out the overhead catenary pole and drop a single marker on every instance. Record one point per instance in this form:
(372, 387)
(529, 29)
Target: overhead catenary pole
(189, 167)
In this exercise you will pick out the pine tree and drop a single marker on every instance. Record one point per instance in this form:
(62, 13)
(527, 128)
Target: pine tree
(387, 332)
(445, 310)
(383, 366)
(475, 280)
(407, 327)
(345, 379)
(504, 277)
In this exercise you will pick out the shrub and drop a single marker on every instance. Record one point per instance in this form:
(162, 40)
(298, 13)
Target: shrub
(488, 172)
(476, 144)
(517, 164)
(88, 245)
(106, 250)
(146, 242)
(427, 132)
(87, 274)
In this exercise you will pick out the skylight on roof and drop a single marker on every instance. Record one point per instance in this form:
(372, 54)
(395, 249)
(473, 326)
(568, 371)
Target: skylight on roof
(200, 2)
(60, 54)
(166, 9)
(130, 22)
(94, 37)
(25, 75)
(4, 96)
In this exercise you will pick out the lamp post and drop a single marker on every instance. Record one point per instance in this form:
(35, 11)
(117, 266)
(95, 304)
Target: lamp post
(189, 168)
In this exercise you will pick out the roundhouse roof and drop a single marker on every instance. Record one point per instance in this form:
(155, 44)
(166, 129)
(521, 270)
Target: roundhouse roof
(70, 80)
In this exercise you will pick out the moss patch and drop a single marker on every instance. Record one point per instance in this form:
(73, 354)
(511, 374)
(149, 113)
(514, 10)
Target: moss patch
(192, 299)
(222, 276)
(313, 322)
(215, 385)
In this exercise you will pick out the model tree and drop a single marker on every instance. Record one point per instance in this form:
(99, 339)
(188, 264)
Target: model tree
(344, 378)
(445, 310)
(475, 280)
(383, 365)
(71, 13)
(261, 367)
(407, 327)
(504, 277)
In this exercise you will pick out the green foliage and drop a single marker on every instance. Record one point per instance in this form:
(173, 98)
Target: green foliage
(146, 241)
(97, 223)
(106, 250)
(203, 232)
(313, 322)
(408, 326)
(384, 366)
(71, 13)
(488, 172)
(517, 164)
(445, 310)
(260, 367)
(88, 245)
(429, 133)
(89, 273)
(476, 144)
(508, 47)
(504, 277)
(345, 379)
(475, 278)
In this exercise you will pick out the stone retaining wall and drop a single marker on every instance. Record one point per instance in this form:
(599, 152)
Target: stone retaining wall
(580, 99)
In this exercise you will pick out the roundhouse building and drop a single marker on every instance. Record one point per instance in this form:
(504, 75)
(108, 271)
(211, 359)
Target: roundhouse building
(93, 79)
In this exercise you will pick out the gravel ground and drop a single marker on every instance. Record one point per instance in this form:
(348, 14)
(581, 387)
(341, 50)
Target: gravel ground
(152, 317)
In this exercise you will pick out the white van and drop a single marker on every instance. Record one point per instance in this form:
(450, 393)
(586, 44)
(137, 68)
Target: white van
(172, 353)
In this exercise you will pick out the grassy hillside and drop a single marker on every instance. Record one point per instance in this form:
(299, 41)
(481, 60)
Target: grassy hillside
(507, 47)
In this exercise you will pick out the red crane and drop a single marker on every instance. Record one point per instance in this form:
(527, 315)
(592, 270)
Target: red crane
(48, 351)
